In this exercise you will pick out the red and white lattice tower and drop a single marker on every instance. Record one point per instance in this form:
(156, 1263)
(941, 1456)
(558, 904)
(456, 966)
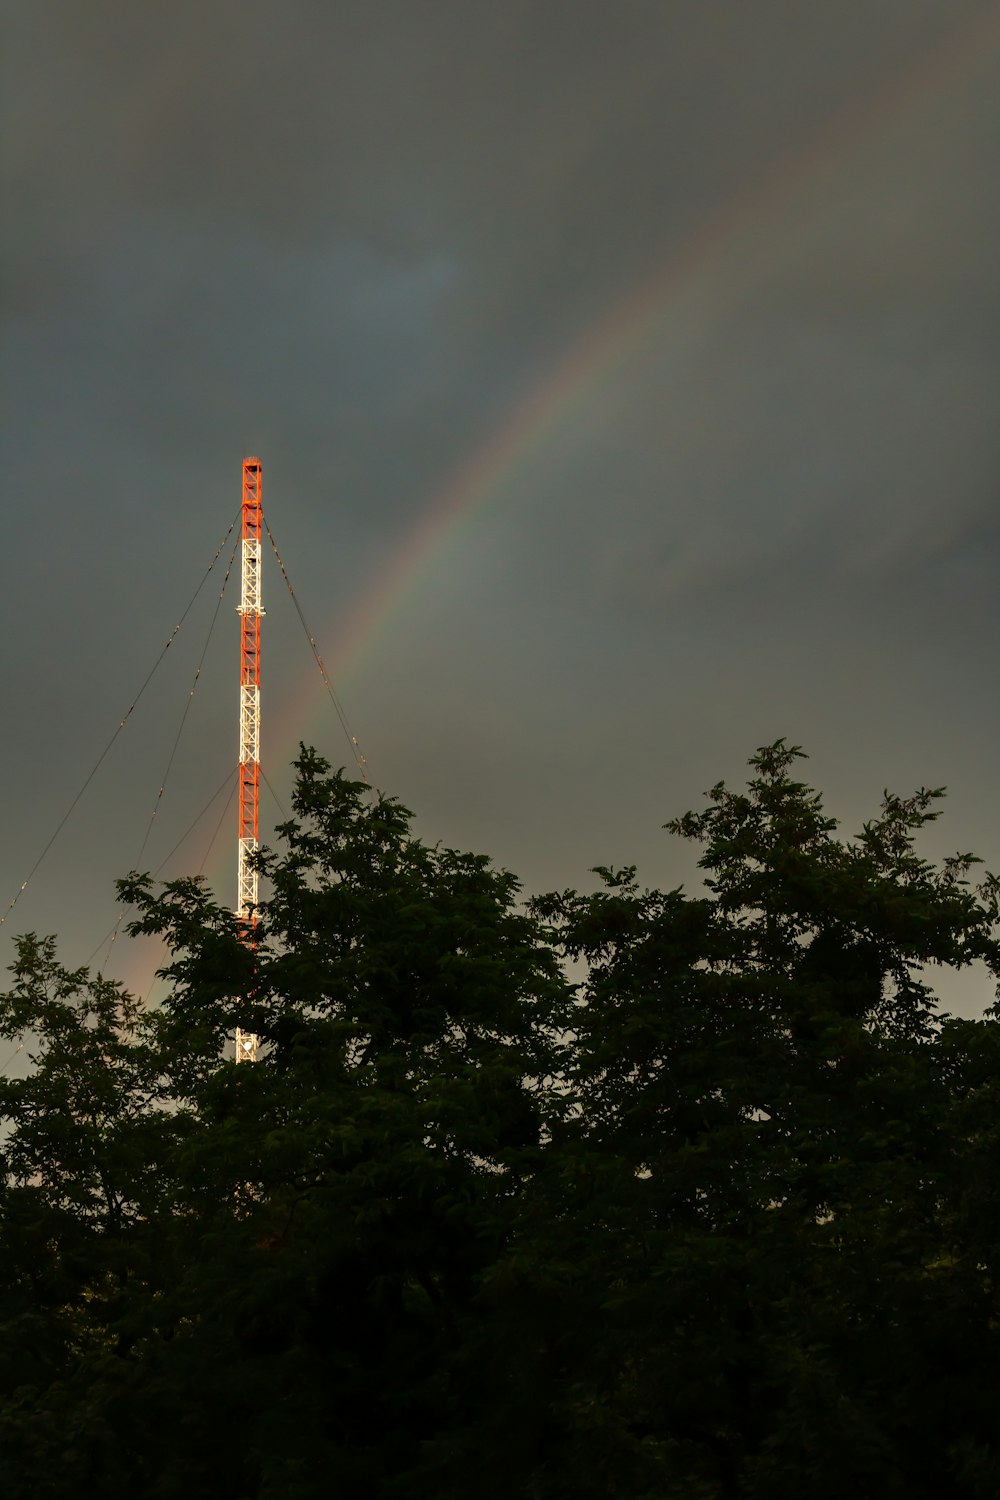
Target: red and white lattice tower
(250, 616)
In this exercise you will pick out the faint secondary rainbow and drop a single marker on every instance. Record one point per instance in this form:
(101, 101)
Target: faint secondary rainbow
(722, 246)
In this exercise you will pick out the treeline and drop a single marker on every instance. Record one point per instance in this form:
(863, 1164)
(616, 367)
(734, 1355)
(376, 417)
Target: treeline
(630, 1194)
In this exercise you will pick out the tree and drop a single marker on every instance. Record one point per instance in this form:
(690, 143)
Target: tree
(85, 1180)
(716, 1217)
(326, 1214)
(765, 1157)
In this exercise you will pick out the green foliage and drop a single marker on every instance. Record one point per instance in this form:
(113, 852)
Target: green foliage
(718, 1217)
(762, 1088)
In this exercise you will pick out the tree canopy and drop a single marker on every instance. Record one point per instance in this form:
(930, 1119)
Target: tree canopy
(628, 1193)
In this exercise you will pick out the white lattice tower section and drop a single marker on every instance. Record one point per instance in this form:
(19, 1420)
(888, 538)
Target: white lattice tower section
(250, 617)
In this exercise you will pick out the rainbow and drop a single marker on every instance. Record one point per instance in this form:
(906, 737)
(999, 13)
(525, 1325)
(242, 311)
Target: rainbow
(733, 246)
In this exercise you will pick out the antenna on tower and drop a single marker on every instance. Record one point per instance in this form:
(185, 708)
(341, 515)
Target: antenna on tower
(250, 614)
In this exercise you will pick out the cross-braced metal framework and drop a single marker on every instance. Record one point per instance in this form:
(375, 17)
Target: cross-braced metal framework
(250, 616)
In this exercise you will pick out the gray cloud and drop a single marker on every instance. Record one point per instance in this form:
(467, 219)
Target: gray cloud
(354, 239)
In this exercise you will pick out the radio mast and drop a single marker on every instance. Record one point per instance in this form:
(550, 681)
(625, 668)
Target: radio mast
(250, 614)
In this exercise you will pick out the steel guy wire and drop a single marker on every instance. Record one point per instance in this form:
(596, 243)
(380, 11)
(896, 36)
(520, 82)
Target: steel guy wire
(359, 759)
(121, 725)
(177, 738)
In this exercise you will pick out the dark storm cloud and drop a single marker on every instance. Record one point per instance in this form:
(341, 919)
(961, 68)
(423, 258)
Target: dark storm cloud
(521, 136)
(353, 237)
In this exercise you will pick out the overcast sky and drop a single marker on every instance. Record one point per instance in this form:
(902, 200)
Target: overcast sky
(625, 377)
